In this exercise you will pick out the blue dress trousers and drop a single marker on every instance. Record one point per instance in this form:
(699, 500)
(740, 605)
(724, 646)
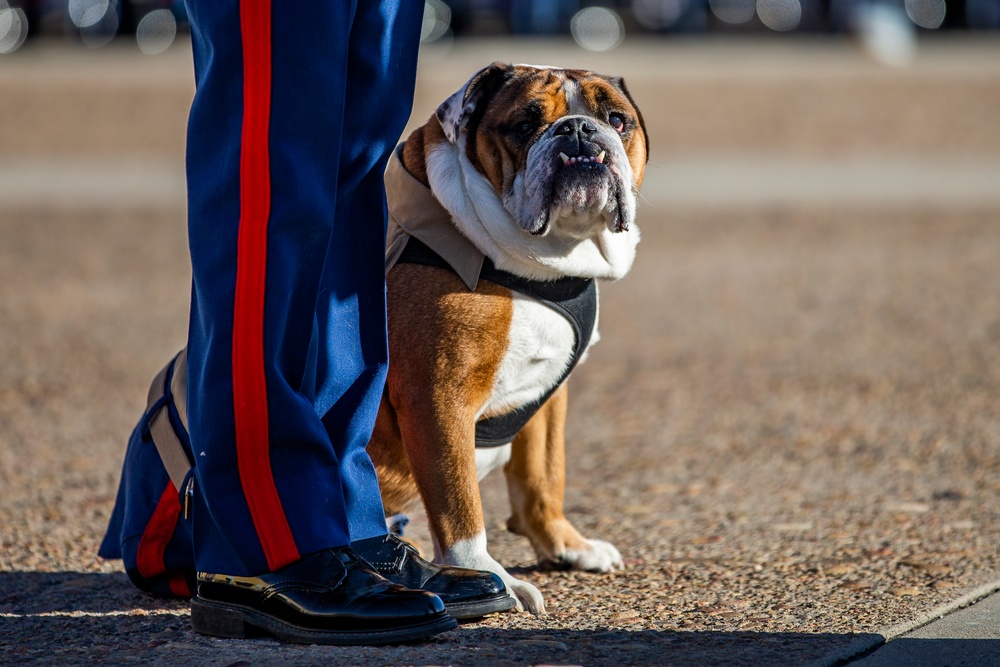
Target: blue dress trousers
(297, 108)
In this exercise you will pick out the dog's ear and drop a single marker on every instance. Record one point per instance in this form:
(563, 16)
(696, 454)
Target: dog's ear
(619, 83)
(455, 112)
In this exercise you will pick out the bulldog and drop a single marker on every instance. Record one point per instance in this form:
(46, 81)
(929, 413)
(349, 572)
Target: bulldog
(505, 207)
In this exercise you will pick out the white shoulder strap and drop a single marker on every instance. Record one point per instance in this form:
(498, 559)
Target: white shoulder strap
(168, 445)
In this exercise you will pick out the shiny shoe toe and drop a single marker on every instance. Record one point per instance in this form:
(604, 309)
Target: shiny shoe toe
(465, 593)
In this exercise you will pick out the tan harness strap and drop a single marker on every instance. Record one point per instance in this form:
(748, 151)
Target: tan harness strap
(168, 445)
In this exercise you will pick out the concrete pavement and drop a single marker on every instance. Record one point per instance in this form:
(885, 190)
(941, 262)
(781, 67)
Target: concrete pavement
(968, 637)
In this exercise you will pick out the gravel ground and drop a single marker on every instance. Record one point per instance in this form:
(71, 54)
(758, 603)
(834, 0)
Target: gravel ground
(791, 427)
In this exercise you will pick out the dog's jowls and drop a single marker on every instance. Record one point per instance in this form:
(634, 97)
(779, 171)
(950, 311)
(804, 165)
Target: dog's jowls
(539, 168)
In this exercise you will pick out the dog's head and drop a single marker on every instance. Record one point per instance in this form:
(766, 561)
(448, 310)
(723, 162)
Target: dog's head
(564, 149)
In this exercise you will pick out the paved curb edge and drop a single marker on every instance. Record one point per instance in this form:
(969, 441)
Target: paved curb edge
(867, 644)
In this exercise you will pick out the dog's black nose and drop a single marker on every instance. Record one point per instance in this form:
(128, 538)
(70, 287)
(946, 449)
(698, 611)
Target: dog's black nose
(582, 127)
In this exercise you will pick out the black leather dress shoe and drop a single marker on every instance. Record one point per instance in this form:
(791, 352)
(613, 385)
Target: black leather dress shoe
(329, 597)
(465, 593)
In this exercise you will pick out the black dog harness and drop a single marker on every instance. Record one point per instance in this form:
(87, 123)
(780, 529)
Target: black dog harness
(573, 298)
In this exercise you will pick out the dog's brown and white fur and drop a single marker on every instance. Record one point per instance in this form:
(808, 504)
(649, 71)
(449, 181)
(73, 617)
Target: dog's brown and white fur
(539, 167)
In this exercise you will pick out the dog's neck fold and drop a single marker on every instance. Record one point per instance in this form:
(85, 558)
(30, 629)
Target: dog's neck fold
(465, 200)
(413, 211)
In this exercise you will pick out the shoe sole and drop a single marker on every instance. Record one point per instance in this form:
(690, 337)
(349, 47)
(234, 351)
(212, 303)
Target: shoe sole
(478, 608)
(237, 622)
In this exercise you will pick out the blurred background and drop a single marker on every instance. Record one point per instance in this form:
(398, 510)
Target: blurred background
(599, 26)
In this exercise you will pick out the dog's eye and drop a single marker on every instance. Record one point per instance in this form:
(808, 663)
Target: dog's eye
(617, 121)
(524, 129)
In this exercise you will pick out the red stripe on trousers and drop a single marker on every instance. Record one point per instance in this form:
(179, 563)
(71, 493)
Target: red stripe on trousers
(249, 387)
(156, 536)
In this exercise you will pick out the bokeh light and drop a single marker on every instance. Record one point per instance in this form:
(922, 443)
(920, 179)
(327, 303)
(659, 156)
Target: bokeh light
(87, 13)
(658, 14)
(156, 31)
(437, 21)
(926, 13)
(13, 27)
(780, 15)
(597, 28)
(97, 20)
(732, 11)
(886, 33)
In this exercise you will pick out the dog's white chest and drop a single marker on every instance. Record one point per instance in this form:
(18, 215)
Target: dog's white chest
(540, 348)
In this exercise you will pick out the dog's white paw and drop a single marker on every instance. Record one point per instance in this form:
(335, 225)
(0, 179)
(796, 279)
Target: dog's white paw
(472, 554)
(598, 556)
(528, 597)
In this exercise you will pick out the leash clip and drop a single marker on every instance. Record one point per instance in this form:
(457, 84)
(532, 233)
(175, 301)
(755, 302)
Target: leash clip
(188, 496)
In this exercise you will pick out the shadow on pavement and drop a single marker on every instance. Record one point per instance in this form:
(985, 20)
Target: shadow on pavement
(97, 618)
(67, 593)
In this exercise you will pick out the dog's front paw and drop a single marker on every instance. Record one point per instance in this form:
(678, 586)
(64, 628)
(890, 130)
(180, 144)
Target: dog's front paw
(528, 597)
(472, 554)
(594, 556)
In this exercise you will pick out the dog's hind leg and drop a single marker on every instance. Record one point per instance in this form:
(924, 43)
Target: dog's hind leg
(536, 482)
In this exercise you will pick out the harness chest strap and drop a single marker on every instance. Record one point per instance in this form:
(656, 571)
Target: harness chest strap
(573, 298)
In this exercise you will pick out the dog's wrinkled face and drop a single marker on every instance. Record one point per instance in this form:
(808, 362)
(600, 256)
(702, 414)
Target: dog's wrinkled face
(564, 149)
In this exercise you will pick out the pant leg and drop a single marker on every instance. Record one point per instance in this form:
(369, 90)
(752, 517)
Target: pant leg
(351, 316)
(263, 155)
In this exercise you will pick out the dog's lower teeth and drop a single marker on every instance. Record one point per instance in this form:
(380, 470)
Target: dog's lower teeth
(567, 161)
